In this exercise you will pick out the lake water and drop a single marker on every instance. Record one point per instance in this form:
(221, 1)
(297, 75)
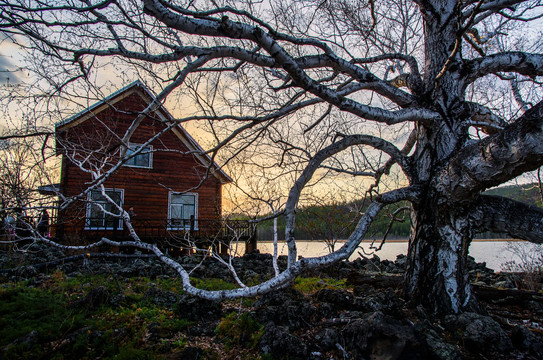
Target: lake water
(494, 252)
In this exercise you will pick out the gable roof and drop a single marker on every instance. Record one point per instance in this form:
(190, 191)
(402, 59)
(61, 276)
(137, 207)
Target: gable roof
(146, 94)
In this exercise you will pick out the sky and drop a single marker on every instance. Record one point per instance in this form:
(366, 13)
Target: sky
(9, 54)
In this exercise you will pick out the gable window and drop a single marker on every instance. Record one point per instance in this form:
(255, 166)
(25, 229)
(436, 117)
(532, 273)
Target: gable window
(144, 159)
(182, 208)
(98, 219)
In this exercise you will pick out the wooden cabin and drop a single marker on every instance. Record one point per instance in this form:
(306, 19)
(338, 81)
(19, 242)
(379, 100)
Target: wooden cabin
(171, 187)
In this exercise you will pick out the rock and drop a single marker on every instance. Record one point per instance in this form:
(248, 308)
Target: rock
(197, 309)
(191, 353)
(278, 298)
(524, 339)
(359, 263)
(202, 329)
(534, 306)
(27, 271)
(151, 333)
(95, 298)
(380, 281)
(316, 355)
(256, 255)
(339, 299)
(505, 284)
(121, 333)
(401, 261)
(479, 333)
(324, 310)
(119, 300)
(281, 345)
(436, 346)
(326, 340)
(157, 296)
(385, 301)
(250, 275)
(286, 307)
(29, 340)
(379, 336)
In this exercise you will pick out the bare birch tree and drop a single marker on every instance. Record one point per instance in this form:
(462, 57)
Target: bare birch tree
(447, 91)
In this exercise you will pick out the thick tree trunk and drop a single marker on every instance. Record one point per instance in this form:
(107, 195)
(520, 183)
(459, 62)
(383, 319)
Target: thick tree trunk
(437, 275)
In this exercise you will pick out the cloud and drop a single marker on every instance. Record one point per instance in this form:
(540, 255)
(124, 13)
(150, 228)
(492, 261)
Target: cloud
(8, 72)
(9, 55)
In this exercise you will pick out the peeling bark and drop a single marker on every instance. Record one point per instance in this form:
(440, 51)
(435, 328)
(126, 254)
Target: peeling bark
(492, 161)
(436, 274)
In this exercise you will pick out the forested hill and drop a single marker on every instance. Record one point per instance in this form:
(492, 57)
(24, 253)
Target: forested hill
(526, 193)
(337, 221)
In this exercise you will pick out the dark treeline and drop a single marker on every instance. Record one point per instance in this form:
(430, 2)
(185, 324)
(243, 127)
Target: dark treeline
(338, 220)
(526, 193)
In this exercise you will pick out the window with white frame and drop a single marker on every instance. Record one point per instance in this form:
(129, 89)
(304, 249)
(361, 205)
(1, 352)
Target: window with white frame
(101, 211)
(144, 159)
(182, 208)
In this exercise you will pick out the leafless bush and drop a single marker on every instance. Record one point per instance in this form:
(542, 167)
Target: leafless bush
(526, 269)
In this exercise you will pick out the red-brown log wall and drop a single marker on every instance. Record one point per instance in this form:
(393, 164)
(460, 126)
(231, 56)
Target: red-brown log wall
(147, 190)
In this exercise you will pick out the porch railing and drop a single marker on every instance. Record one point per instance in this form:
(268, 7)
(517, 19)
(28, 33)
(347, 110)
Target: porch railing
(171, 235)
(147, 228)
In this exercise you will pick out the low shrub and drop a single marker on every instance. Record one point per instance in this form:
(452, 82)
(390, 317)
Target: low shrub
(240, 330)
(527, 267)
(212, 284)
(310, 285)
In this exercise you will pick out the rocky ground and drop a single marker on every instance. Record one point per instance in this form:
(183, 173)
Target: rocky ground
(351, 310)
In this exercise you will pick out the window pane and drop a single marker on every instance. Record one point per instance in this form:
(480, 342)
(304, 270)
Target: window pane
(111, 208)
(143, 159)
(189, 199)
(188, 211)
(115, 195)
(182, 208)
(96, 217)
(129, 152)
(183, 199)
(176, 199)
(176, 212)
(96, 195)
(111, 222)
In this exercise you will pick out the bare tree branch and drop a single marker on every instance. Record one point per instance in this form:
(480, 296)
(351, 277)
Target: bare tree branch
(500, 157)
(517, 62)
(506, 216)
